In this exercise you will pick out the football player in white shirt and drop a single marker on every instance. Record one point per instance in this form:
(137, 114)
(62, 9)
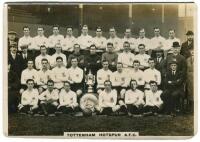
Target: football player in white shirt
(142, 40)
(142, 57)
(59, 73)
(152, 74)
(44, 75)
(49, 99)
(68, 42)
(126, 57)
(54, 39)
(99, 40)
(169, 42)
(137, 75)
(134, 99)
(132, 41)
(67, 99)
(117, 42)
(120, 80)
(29, 99)
(58, 54)
(103, 75)
(39, 40)
(108, 99)
(75, 77)
(26, 40)
(153, 101)
(38, 59)
(28, 73)
(85, 40)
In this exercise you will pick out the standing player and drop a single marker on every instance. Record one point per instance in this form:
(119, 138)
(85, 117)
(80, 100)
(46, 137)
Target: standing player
(29, 99)
(134, 99)
(49, 99)
(68, 42)
(128, 38)
(54, 39)
(117, 43)
(67, 99)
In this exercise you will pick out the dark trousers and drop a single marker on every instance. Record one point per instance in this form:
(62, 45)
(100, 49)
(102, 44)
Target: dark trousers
(153, 109)
(107, 111)
(118, 88)
(13, 101)
(51, 51)
(67, 110)
(27, 108)
(48, 108)
(133, 109)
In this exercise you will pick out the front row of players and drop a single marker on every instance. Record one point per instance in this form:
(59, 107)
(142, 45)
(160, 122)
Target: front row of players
(107, 102)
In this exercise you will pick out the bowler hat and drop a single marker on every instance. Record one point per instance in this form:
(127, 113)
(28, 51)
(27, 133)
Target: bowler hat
(189, 33)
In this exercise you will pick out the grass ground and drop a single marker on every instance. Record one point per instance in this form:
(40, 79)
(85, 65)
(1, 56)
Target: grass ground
(146, 126)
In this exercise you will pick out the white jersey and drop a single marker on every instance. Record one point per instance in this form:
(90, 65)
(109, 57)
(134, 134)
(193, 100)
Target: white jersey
(126, 58)
(169, 43)
(54, 39)
(108, 99)
(132, 41)
(138, 76)
(100, 42)
(38, 60)
(40, 40)
(26, 41)
(119, 79)
(102, 76)
(152, 75)
(153, 99)
(85, 41)
(145, 41)
(75, 75)
(117, 43)
(47, 96)
(28, 74)
(54, 56)
(43, 77)
(135, 97)
(143, 59)
(68, 99)
(157, 42)
(68, 43)
(30, 97)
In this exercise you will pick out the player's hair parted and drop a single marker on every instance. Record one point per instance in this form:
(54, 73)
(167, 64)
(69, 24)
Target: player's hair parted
(153, 82)
(44, 59)
(29, 80)
(108, 81)
(136, 61)
(59, 58)
(133, 80)
(50, 81)
(110, 43)
(26, 27)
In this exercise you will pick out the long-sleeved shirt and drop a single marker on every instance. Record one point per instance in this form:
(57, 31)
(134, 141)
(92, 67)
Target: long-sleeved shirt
(39, 40)
(143, 59)
(126, 58)
(54, 56)
(68, 43)
(138, 76)
(100, 42)
(28, 74)
(54, 39)
(153, 99)
(120, 79)
(110, 57)
(43, 77)
(158, 42)
(26, 41)
(67, 98)
(144, 41)
(46, 96)
(169, 43)
(85, 41)
(30, 97)
(38, 60)
(102, 76)
(107, 99)
(75, 75)
(135, 97)
(117, 43)
(152, 74)
(132, 42)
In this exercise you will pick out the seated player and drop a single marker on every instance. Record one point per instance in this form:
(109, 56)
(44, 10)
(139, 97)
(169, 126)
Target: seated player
(174, 89)
(103, 75)
(134, 99)
(153, 101)
(58, 54)
(49, 99)
(142, 57)
(29, 99)
(137, 75)
(43, 54)
(89, 104)
(59, 73)
(108, 99)
(28, 73)
(75, 77)
(120, 80)
(67, 99)
(44, 75)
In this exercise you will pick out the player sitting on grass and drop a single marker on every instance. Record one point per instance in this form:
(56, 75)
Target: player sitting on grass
(49, 99)
(153, 101)
(134, 99)
(67, 99)
(29, 99)
(108, 99)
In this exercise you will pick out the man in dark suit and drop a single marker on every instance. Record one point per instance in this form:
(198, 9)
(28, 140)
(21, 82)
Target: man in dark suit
(173, 89)
(12, 38)
(188, 45)
(15, 60)
(25, 56)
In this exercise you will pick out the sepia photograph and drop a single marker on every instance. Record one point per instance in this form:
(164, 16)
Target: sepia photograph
(100, 70)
